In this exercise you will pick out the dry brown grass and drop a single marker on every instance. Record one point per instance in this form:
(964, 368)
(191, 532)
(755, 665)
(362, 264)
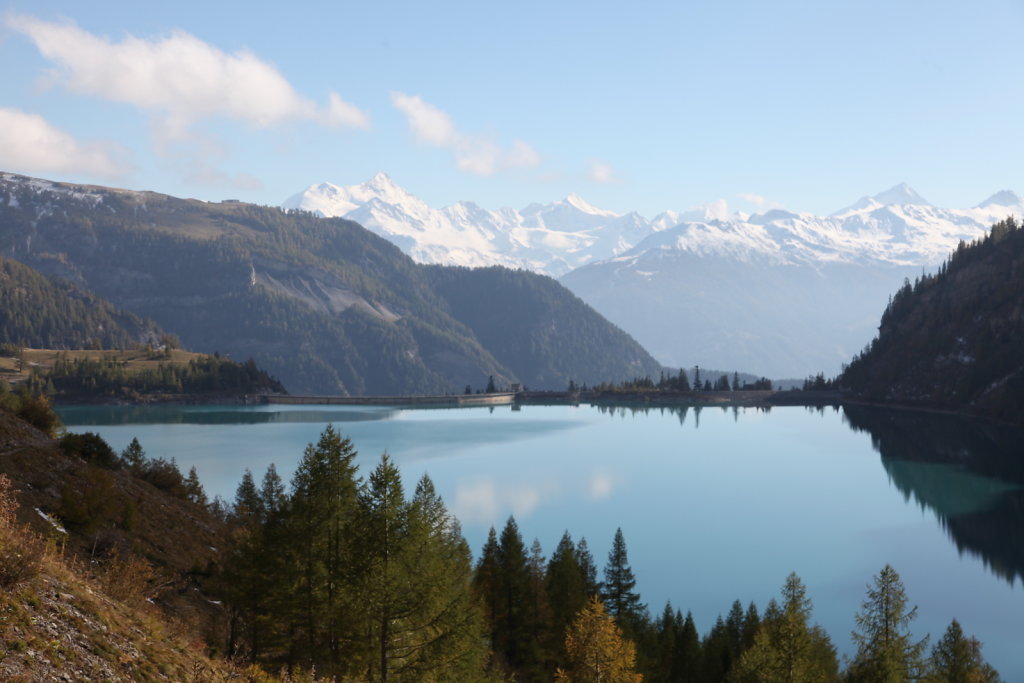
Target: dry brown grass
(21, 550)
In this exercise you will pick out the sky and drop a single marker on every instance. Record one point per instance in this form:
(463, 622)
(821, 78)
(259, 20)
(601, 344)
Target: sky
(640, 106)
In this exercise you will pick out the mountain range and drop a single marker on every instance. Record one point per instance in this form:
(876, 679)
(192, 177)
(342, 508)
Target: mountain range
(322, 304)
(780, 293)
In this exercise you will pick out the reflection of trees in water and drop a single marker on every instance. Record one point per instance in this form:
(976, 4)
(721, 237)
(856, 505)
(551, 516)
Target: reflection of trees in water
(95, 416)
(680, 410)
(970, 474)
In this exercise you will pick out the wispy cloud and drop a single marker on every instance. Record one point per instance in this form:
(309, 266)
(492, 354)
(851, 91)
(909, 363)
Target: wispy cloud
(477, 154)
(180, 77)
(29, 143)
(601, 172)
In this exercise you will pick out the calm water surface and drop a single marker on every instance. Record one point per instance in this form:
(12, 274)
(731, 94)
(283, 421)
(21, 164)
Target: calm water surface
(715, 505)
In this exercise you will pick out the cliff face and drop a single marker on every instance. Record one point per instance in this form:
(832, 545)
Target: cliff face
(954, 339)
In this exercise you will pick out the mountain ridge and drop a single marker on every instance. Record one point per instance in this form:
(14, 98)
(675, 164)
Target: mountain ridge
(323, 304)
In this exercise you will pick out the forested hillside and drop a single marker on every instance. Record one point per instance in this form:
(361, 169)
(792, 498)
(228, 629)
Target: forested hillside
(38, 312)
(322, 304)
(532, 323)
(953, 339)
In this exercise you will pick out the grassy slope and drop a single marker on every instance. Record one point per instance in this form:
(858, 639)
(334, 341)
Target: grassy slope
(63, 621)
(45, 358)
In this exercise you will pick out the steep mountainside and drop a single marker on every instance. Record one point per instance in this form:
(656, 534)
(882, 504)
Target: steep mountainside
(322, 304)
(954, 339)
(38, 312)
(527, 321)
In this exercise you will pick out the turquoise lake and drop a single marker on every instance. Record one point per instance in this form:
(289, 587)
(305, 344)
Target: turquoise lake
(715, 505)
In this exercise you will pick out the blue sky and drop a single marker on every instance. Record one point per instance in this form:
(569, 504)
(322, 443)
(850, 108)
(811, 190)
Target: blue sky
(642, 106)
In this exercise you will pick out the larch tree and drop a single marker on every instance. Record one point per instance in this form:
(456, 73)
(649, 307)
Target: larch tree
(886, 650)
(787, 648)
(957, 658)
(597, 650)
(324, 498)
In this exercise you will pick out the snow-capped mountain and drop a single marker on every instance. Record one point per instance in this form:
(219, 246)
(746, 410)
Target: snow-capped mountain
(780, 293)
(897, 227)
(548, 238)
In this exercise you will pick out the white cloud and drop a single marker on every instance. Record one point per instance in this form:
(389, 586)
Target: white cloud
(179, 76)
(600, 172)
(483, 501)
(473, 153)
(29, 143)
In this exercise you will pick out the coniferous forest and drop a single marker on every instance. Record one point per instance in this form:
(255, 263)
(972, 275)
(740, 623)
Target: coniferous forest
(353, 577)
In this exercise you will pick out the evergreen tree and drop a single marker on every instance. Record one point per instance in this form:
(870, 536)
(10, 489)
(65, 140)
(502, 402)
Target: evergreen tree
(133, 457)
(957, 659)
(194, 488)
(886, 651)
(566, 591)
(588, 568)
(420, 618)
(487, 586)
(687, 660)
(618, 592)
(514, 644)
(324, 490)
(787, 649)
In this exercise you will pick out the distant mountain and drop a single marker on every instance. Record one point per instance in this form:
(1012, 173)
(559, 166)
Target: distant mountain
(40, 313)
(953, 339)
(322, 304)
(546, 238)
(779, 293)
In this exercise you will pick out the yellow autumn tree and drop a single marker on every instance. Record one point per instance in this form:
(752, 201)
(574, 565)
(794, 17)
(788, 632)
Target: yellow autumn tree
(597, 651)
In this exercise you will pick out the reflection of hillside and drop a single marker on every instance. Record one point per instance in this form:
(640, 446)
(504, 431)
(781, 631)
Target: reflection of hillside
(118, 415)
(970, 474)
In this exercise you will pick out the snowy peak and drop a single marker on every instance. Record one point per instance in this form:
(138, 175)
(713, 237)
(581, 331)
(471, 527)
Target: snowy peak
(900, 195)
(577, 202)
(896, 226)
(1002, 198)
(897, 195)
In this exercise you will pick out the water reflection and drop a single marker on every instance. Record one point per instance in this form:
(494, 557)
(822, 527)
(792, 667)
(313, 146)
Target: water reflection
(95, 416)
(970, 474)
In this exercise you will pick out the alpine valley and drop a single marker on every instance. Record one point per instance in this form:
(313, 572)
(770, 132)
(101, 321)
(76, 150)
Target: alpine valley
(779, 293)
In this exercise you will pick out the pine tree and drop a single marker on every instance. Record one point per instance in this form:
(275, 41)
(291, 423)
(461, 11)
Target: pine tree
(588, 568)
(566, 591)
(514, 644)
(133, 457)
(886, 651)
(487, 586)
(618, 592)
(957, 659)
(194, 488)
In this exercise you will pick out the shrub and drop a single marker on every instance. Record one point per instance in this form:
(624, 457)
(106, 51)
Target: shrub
(35, 409)
(91, 448)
